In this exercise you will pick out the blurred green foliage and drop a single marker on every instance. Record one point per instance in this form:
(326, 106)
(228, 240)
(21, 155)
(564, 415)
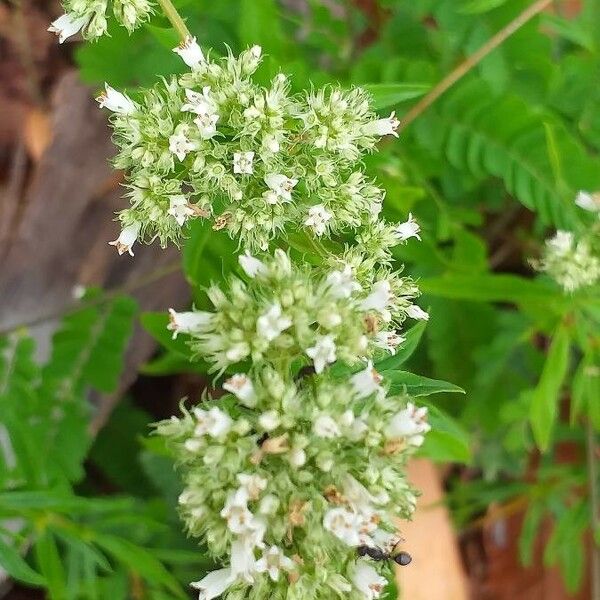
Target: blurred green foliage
(489, 170)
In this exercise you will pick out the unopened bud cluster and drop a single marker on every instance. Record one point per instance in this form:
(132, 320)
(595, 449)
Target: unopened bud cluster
(90, 17)
(257, 161)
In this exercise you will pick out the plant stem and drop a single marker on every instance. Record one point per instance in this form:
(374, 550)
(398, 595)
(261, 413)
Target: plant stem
(592, 469)
(473, 60)
(175, 19)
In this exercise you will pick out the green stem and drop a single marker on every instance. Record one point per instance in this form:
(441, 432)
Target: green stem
(175, 19)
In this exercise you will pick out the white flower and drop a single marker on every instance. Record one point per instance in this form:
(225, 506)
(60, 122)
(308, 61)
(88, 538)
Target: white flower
(180, 145)
(562, 241)
(366, 382)
(190, 52)
(297, 457)
(341, 283)
(416, 312)
(368, 581)
(199, 103)
(408, 229)
(191, 322)
(241, 387)
(272, 323)
(280, 188)
(323, 352)
(239, 519)
(274, 560)
(409, 424)
(269, 420)
(207, 125)
(127, 237)
(214, 584)
(588, 201)
(253, 484)
(326, 427)
(251, 265)
(68, 25)
(179, 209)
(379, 298)
(243, 562)
(115, 101)
(213, 422)
(317, 218)
(344, 524)
(387, 126)
(268, 505)
(389, 340)
(242, 163)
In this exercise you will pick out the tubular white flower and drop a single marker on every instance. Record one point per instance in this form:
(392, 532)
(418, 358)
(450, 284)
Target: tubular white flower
(239, 518)
(367, 381)
(207, 125)
(179, 209)
(68, 25)
(241, 387)
(127, 237)
(368, 581)
(389, 340)
(190, 52)
(588, 201)
(251, 265)
(317, 219)
(323, 352)
(280, 188)
(410, 228)
(326, 427)
(273, 561)
(199, 103)
(342, 284)
(243, 562)
(214, 584)
(213, 422)
(253, 484)
(180, 145)
(416, 312)
(562, 241)
(387, 126)
(272, 323)
(242, 163)
(116, 101)
(379, 298)
(269, 420)
(191, 322)
(344, 524)
(409, 424)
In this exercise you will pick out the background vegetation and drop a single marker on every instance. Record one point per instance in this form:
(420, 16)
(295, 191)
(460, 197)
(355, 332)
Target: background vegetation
(490, 169)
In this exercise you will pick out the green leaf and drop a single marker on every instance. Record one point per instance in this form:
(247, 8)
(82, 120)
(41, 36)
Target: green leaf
(384, 95)
(475, 7)
(544, 400)
(529, 530)
(447, 441)
(417, 385)
(405, 351)
(139, 560)
(14, 564)
(49, 562)
(259, 23)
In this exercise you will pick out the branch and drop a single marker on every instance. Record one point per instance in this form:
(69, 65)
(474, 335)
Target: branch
(175, 19)
(473, 60)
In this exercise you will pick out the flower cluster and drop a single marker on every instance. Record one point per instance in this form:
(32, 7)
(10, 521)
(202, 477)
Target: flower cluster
(91, 17)
(302, 461)
(284, 311)
(256, 160)
(573, 260)
(285, 477)
(573, 263)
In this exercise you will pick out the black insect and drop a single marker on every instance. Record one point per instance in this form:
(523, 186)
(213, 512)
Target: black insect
(400, 558)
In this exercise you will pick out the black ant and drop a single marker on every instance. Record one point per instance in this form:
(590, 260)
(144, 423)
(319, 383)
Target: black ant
(402, 558)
